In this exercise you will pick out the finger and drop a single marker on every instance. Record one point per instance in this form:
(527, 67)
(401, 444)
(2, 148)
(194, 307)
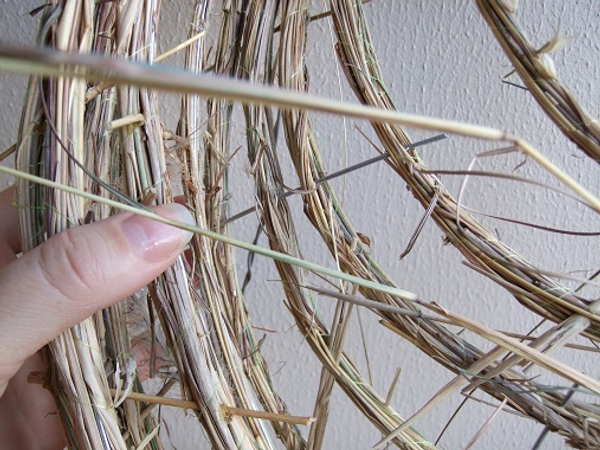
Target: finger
(78, 272)
(188, 253)
(28, 417)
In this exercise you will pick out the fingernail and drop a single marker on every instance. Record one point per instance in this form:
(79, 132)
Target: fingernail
(155, 241)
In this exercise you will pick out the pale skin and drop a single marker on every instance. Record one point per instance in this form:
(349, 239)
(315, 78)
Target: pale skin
(58, 284)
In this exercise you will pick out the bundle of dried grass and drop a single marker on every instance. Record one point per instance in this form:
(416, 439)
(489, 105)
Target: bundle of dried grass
(537, 70)
(205, 160)
(108, 140)
(279, 226)
(482, 249)
(67, 141)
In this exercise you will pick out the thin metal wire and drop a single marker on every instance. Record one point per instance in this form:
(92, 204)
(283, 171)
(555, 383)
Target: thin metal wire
(339, 173)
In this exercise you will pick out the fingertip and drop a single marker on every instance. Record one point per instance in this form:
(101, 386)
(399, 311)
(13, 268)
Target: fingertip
(156, 241)
(81, 271)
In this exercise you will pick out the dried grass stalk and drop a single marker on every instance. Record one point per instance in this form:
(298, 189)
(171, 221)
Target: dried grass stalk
(45, 63)
(536, 69)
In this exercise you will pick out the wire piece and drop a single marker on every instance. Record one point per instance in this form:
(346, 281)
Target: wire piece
(426, 216)
(339, 173)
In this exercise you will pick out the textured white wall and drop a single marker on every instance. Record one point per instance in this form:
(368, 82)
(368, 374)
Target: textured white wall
(438, 59)
(17, 27)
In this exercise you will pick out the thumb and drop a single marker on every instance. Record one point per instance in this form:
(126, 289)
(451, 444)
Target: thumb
(78, 272)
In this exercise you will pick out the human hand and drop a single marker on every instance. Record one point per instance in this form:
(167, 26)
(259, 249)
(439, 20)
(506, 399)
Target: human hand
(57, 285)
